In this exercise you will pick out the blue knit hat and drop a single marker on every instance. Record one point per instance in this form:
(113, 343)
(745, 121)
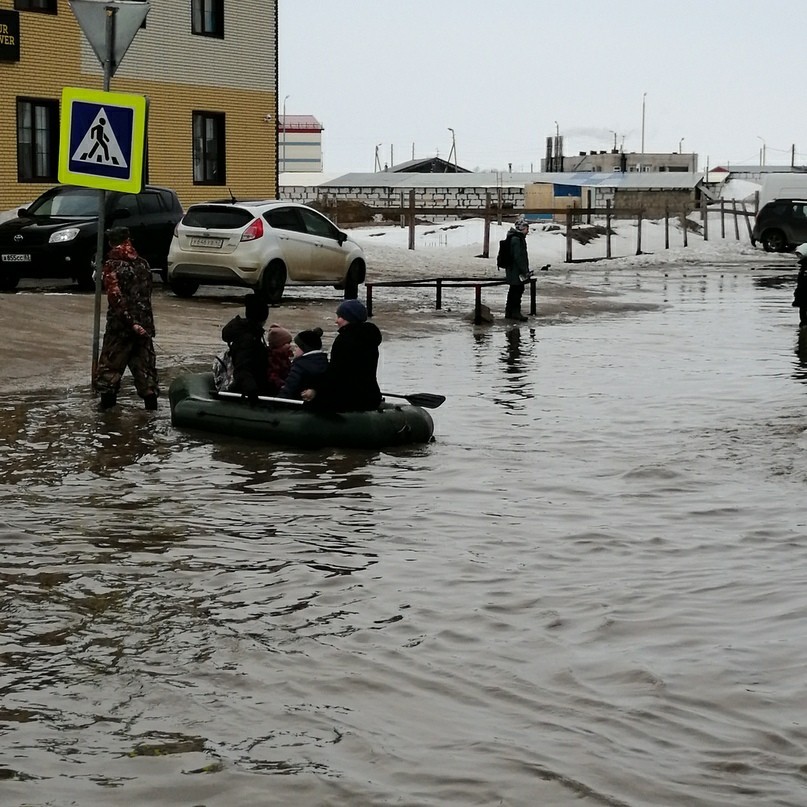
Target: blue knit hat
(352, 311)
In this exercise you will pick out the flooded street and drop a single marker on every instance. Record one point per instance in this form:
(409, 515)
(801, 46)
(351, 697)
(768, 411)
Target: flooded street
(588, 589)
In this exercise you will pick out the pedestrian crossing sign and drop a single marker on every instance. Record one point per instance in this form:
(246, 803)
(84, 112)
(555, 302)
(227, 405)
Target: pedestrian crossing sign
(102, 139)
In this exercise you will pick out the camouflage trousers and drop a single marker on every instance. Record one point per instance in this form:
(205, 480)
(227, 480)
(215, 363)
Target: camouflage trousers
(127, 350)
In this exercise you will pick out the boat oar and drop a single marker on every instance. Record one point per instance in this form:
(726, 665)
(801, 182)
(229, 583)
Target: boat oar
(428, 400)
(266, 398)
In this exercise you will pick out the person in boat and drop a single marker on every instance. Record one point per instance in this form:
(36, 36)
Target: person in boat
(310, 362)
(278, 341)
(129, 331)
(349, 384)
(246, 343)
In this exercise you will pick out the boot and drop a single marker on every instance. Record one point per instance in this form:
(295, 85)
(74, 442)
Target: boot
(150, 402)
(108, 400)
(516, 315)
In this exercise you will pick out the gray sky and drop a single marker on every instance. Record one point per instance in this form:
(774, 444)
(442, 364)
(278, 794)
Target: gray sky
(727, 76)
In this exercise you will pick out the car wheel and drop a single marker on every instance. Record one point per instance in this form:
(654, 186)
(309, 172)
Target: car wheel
(354, 277)
(85, 280)
(273, 282)
(774, 241)
(9, 281)
(183, 288)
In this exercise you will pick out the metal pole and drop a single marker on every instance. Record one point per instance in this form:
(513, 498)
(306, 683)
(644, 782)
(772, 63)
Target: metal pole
(644, 95)
(99, 243)
(284, 132)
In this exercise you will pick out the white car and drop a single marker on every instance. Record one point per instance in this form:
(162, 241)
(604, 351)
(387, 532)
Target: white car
(263, 245)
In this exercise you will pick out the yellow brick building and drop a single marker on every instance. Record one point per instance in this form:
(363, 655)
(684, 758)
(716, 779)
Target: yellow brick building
(207, 67)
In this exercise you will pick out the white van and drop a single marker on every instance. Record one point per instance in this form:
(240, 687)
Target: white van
(792, 185)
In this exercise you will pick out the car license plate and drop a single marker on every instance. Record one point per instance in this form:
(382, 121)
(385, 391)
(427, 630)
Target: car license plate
(210, 243)
(17, 257)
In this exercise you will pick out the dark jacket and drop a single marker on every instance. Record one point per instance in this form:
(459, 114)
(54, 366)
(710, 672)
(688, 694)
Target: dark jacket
(249, 354)
(800, 293)
(350, 384)
(305, 370)
(519, 261)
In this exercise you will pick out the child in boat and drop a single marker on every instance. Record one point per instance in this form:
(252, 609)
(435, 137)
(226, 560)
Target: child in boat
(309, 363)
(278, 340)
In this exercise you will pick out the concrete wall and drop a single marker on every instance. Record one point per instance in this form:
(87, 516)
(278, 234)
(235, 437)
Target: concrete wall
(383, 197)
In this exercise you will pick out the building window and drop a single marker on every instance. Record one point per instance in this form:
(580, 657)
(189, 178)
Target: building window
(208, 149)
(37, 140)
(43, 6)
(208, 17)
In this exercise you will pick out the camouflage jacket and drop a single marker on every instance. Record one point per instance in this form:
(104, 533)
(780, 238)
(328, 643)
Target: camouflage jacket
(128, 284)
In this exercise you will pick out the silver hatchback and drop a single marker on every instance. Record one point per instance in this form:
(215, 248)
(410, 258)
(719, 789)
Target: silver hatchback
(264, 245)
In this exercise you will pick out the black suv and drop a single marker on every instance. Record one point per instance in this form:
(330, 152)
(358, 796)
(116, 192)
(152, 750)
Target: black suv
(56, 236)
(781, 225)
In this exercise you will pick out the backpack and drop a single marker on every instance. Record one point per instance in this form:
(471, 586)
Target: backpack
(504, 258)
(223, 370)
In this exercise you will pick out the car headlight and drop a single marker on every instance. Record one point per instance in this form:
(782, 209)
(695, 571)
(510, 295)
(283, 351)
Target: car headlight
(60, 236)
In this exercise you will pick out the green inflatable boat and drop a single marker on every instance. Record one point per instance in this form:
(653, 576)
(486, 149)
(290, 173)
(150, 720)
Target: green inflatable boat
(196, 405)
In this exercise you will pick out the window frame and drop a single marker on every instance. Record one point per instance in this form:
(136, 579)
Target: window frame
(43, 144)
(207, 18)
(48, 6)
(201, 158)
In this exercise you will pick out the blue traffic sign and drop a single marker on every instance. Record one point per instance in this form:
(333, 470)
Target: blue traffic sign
(102, 139)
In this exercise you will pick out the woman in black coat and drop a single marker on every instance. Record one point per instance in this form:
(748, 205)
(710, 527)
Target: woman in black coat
(350, 384)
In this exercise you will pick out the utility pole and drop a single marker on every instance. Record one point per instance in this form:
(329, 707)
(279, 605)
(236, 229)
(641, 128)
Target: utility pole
(453, 149)
(285, 129)
(644, 96)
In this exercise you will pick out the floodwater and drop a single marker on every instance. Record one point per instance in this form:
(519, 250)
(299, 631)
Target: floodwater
(590, 589)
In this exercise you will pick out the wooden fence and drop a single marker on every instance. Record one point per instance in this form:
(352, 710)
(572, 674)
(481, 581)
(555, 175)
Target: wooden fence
(573, 216)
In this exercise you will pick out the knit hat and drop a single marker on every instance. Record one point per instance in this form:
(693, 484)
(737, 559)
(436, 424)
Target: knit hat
(352, 311)
(277, 336)
(309, 340)
(255, 308)
(521, 224)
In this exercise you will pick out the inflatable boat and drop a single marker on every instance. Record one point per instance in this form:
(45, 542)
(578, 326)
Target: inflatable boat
(195, 404)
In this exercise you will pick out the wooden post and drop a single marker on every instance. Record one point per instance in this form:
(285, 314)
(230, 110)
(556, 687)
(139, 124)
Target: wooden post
(533, 296)
(403, 214)
(486, 233)
(412, 219)
(438, 295)
(368, 292)
(684, 224)
(607, 228)
(666, 226)
(639, 216)
(736, 220)
(747, 220)
(477, 304)
(722, 218)
(499, 205)
(704, 219)
(568, 235)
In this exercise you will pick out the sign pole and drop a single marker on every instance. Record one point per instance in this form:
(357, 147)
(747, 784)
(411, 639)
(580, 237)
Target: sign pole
(99, 244)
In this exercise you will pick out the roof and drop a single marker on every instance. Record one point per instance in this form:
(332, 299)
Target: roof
(303, 122)
(427, 165)
(404, 181)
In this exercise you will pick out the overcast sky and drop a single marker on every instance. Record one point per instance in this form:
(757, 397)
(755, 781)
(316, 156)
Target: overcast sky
(727, 76)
